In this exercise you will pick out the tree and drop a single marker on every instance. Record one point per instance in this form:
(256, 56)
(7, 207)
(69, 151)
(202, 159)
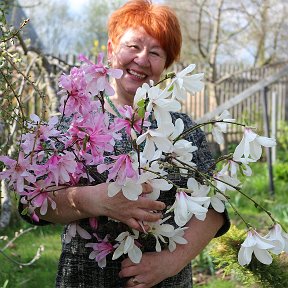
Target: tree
(239, 32)
(64, 31)
(27, 85)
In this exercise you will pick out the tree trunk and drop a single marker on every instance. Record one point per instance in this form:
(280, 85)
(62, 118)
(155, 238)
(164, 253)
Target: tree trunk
(6, 205)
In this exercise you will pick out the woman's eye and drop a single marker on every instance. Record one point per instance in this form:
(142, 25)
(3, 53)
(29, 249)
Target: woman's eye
(133, 46)
(155, 53)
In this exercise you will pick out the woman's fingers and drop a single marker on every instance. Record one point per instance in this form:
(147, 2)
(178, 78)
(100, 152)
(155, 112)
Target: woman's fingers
(150, 204)
(146, 188)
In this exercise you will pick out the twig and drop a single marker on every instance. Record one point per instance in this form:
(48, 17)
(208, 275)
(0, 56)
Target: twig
(17, 31)
(17, 235)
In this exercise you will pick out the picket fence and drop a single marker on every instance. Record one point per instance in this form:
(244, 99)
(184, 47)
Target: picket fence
(236, 80)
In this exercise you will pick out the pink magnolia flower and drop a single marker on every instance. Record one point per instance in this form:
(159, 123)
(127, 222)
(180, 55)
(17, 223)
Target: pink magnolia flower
(17, 171)
(128, 120)
(74, 96)
(91, 133)
(73, 229)
(42, 132)
(93, 221)
(100, 250)
(38, 197)
(124, 168)
(96, 76)
(57, 168)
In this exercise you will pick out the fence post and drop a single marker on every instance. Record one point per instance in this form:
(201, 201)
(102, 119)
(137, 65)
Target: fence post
(274, 113)
(264, 92)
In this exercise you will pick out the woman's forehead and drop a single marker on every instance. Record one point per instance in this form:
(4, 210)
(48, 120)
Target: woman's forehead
(139, 35)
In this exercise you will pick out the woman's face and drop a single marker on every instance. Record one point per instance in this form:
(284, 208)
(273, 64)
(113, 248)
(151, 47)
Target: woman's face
(141, 58)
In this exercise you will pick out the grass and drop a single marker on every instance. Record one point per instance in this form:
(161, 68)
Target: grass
(42, 272)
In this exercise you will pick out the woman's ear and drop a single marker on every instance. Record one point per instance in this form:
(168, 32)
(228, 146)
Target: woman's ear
(109, 49)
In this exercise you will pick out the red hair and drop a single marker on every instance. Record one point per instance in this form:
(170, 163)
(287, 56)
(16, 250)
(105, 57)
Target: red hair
(159, 21)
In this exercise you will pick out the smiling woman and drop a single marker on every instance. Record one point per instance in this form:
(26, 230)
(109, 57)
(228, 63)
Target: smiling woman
(144, 40)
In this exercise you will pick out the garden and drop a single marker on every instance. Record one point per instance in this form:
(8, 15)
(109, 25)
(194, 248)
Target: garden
(29, 255)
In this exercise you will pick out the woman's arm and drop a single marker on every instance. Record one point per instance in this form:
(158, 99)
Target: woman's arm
(157, 266)
(77, 203)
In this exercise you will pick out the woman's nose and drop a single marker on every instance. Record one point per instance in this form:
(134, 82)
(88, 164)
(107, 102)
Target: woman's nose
(142, 58)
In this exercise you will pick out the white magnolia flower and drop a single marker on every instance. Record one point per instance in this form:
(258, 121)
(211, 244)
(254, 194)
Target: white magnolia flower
(254, 243)
(160, 230)
(74, 228)
(225, 182)
(186, 206)
(154, 137)
(232, 167)
(130, 189)
(177, 238)
(199, 190)
(250, 145)
(154, 181)
(221, 127)
(141, 93)
(183, 83)
(217, 200)
(280, 239)
(182, 149)
(157, 100)
(128, 246)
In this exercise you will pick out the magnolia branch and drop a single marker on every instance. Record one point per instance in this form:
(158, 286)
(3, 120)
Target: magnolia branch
(18, 235)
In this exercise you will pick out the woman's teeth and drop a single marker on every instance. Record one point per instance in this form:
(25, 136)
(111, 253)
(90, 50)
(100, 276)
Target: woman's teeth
(134, 73)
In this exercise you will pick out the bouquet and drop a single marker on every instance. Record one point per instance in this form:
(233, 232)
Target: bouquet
(78, 147)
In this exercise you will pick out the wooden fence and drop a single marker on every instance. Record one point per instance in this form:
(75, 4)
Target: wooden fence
(236, 80)
(249, 110)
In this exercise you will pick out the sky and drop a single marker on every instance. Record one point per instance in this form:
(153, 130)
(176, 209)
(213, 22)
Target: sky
(77, 5)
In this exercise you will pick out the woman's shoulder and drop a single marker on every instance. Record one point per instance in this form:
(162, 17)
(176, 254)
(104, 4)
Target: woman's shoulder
(187, 120)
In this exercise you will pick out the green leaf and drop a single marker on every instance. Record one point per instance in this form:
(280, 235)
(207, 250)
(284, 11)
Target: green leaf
(141, 103)
(86, 138)
(141, 112)
(25, 211)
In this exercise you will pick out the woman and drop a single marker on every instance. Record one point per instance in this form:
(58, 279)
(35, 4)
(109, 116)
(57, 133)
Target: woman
(144, 39)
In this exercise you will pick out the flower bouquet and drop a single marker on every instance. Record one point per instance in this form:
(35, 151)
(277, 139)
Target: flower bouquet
(79, 147)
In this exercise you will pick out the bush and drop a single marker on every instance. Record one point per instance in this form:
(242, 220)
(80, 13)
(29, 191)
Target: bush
(281, 171)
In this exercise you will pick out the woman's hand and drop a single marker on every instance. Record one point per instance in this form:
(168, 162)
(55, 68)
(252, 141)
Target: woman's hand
(75, 203)
(153, 268)
(96, 202)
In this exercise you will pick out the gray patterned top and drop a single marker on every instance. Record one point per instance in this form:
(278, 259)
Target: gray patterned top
(77, 270)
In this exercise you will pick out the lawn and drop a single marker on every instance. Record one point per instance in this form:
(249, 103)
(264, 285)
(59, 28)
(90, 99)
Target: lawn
(206, 275)
(42, 272)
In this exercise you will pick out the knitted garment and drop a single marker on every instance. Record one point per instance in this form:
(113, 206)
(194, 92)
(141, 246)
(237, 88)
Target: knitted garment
(77, 270)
